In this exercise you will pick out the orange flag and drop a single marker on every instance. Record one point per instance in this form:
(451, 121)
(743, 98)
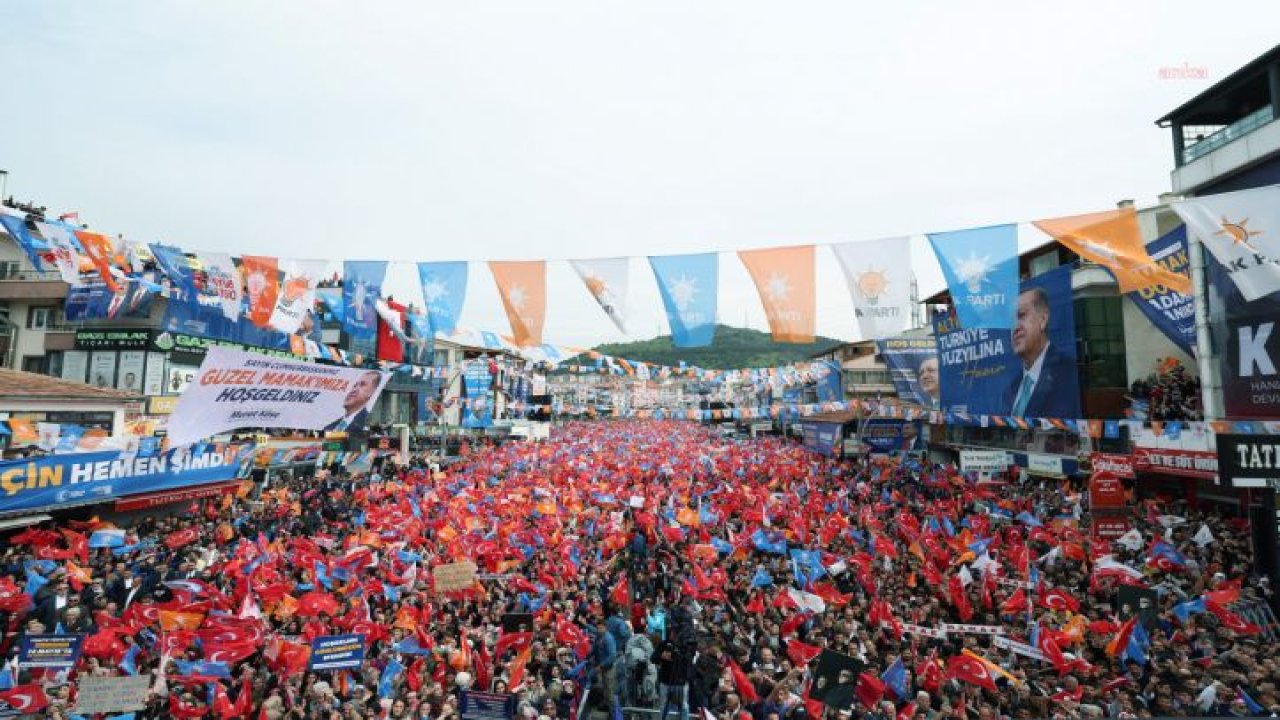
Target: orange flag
(24, 432)
(179, 620)
(784, 279)
(262, 286)
(523, 287)
(98, 248)
(1113, 240)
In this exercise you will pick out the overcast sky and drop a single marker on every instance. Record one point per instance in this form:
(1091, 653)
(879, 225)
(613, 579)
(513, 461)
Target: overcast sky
(544, 129)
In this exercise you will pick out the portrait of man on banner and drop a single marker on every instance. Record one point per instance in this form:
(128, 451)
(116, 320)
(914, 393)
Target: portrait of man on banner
(356, 403)
(1046, 369)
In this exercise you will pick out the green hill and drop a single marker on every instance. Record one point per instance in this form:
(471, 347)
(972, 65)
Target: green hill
(733, 348)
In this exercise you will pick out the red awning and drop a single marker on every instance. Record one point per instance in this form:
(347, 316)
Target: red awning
(166, 497)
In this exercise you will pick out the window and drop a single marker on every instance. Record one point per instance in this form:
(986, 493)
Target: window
(41, 318)
(1042, 264)
(1100, 347)
(8, 269)
(33, 364)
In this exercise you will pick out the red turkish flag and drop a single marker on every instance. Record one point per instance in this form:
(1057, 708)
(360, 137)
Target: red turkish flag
(801, 653)
(970, 670)
(742, 683)
(1059, 599)
(869, 690)
(26, 699)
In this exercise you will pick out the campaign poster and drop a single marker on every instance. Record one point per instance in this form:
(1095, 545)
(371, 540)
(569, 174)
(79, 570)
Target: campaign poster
(1029, 371)
(153, 380)
(828, 387)
(96, 477)
(1246, 330)
(130, 376)
(913, 367)
(179, 377)
(479, 410)
(821, 437)
(890, 435)
(236, 389)
(102, 369)
(1169, 310)
(96, 301)
(75, 365)
(336, 652)
(49, 651)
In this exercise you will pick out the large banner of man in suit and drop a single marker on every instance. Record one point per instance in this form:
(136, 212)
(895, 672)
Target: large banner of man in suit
(1029, 371)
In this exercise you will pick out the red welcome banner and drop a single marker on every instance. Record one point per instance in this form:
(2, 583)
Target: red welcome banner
(1184, 463)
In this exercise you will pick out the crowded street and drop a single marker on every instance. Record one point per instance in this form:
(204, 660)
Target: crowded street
(648, 564)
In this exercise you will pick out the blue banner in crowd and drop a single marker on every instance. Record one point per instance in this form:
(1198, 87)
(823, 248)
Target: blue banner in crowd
(1170, 311)
(913, 368)
(981, 267)
(361, 287)
(478, 412)
(95, 301)
(336, 652)
(97, 477)
(688, 284)
(444, 289)
(1029, 371)
(49, 651)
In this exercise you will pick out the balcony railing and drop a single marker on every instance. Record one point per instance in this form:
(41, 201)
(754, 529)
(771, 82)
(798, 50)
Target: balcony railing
(1234, 131)
(10, 272)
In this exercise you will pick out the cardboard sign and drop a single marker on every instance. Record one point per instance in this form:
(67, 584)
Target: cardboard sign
(454, 576)
(112, 694)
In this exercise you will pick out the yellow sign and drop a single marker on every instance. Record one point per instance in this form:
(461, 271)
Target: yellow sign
(162, 404)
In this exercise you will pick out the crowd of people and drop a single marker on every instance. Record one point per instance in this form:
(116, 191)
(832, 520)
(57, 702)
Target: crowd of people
(1168, 393)
(655, 565)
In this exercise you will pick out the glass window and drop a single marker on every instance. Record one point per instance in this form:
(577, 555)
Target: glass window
(40, 318)
(1100, 342)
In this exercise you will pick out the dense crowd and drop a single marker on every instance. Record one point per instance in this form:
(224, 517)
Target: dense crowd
(652, 565)
(1168, 393)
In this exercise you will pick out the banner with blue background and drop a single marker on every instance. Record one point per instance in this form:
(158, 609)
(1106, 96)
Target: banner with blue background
(1170, 311)
(913, 368)
(688, 284)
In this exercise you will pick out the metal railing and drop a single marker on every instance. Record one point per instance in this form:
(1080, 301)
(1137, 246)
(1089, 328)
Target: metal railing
(12, 273)
(1234, 131)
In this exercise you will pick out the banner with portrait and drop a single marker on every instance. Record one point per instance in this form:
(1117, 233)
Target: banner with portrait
(236, 389)
(913, 368)
(1029, 371)
(478, 412)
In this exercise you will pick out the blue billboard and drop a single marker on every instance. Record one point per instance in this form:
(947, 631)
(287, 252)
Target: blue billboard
(890, 435)
(913, 367)
(97, 477)
(821, 437)
(1029, 371)
(1169, 310)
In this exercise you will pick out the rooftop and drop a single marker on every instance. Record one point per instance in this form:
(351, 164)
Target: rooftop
(16, 384)
(1215, 104)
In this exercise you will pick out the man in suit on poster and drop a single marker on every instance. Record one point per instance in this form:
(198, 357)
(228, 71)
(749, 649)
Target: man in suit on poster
(1046, 385)
(355, 406)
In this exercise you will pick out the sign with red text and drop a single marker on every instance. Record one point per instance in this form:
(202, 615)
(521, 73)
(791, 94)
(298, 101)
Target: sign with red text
(1119, 465)
(1182, 463)
(236, 389)
(1105, 491)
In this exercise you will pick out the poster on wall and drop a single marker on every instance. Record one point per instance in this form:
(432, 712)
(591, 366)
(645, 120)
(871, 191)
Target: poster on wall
(829, 386)
(236, 389)
(153, 378)
(179, 377)
(75, 365)
(890, 435)
(130, 375)
(102, 370)
(479, 386)
(913, 368)
(1029, 371)
(1250, 379)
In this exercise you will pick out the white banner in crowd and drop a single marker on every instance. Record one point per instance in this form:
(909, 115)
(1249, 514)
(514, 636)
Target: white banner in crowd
(297, 292)
(983, 461)
(236, 389)
(879, 276)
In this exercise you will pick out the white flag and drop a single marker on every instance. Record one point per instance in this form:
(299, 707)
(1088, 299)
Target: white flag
(1242, 230)
(966, 577)
(607, 279)
(297, 293)
(878, 273)
(1203, 536)
(1131, 541)
(65, 254)
(221, 282)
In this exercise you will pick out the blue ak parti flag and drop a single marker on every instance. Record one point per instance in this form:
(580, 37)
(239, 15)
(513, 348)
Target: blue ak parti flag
(386, 683)
(689, 285)
(1191, 607)
(895, 678)
(444, 289)
(16, 227)
(981, 268)
(762, 578)
(177, 267)
(361, 288)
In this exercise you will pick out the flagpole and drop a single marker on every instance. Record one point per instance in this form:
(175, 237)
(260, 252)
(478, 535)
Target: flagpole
(1206, 355)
